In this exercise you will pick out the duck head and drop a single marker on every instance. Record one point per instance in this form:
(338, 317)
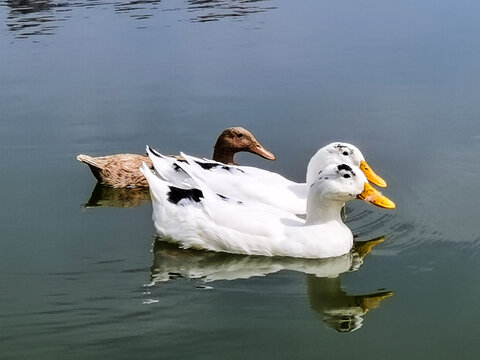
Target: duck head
(341, 153)
(236, 139)
(335, 185)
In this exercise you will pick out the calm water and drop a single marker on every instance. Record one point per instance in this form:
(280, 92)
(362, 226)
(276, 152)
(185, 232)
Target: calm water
(80, 275)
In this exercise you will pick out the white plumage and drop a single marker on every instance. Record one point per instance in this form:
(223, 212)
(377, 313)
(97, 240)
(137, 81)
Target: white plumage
(200, 218)
(258, 185)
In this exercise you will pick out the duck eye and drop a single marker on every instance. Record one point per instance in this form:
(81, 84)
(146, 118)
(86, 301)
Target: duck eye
(346, 176)
(345, 153)
(239, 135)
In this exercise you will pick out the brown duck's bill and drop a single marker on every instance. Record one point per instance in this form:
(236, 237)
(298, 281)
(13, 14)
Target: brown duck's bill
(373, 196)
(260, 150)
(371, 176)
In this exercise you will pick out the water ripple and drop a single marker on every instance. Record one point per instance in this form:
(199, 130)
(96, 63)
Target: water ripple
(339, 310)
(217, 10)
(28, 18)
(401, 234)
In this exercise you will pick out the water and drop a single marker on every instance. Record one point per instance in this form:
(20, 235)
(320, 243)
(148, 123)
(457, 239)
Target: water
(81, 276)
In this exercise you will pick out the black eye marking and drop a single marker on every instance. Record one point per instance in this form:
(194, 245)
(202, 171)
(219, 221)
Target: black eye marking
(239, 135)
(345, 153)
(344, 167)
(346, 176)
(320, 172)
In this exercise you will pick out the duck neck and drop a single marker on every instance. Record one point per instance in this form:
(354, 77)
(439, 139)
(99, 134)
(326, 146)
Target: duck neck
(223, 155)
(321, 211)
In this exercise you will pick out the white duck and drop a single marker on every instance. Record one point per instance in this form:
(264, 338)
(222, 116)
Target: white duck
(202, 219)
(253, 184)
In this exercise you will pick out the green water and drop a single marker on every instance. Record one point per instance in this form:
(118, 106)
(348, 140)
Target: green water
(80, 275)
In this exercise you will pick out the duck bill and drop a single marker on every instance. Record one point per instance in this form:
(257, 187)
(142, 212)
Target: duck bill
(260, 150)
(371, 176)
(373, 196)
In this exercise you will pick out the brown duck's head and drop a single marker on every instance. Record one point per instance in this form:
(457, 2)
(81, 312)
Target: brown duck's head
(236, 139)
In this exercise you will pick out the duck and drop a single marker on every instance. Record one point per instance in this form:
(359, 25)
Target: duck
(248, 183)
(199, 218)
(123, 170)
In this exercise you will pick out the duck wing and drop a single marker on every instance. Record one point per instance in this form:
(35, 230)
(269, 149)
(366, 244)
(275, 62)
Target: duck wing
(248, 184)
(215, 222)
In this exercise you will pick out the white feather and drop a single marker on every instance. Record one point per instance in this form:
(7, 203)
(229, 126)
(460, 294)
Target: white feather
(251, 184)
(223, 224)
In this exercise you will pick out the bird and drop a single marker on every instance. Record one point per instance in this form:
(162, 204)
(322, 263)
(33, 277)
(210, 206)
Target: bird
(248, 183)
(122, 170)
(199, 218)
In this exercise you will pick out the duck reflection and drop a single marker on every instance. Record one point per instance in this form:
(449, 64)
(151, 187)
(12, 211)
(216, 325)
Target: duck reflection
(42, 17)
(138, 9)
(339, 310)
(214, 10)
(103, 195)
(29, 6)
(32, 17)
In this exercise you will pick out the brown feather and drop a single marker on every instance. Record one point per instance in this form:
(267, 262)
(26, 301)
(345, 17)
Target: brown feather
(123, 170)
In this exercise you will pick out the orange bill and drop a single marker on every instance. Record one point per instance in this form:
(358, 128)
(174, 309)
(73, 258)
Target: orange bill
(373, 196)
(371, 176)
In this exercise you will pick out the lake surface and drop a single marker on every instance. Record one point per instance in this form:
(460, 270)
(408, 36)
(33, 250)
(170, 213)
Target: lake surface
(80, 274)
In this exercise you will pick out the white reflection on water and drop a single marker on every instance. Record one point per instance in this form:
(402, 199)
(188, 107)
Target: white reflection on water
(339, 310)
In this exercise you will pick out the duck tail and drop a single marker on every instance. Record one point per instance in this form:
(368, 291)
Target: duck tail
(163, 192)
(166, 167)
(88, 160)
(160, 162)
(158, 186)
(94, 165)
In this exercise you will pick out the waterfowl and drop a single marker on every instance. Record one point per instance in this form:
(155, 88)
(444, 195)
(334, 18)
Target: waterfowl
(248, 183)
(123, 170)
(199, 218)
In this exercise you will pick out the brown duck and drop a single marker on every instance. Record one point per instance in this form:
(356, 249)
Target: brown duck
(122, 170)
